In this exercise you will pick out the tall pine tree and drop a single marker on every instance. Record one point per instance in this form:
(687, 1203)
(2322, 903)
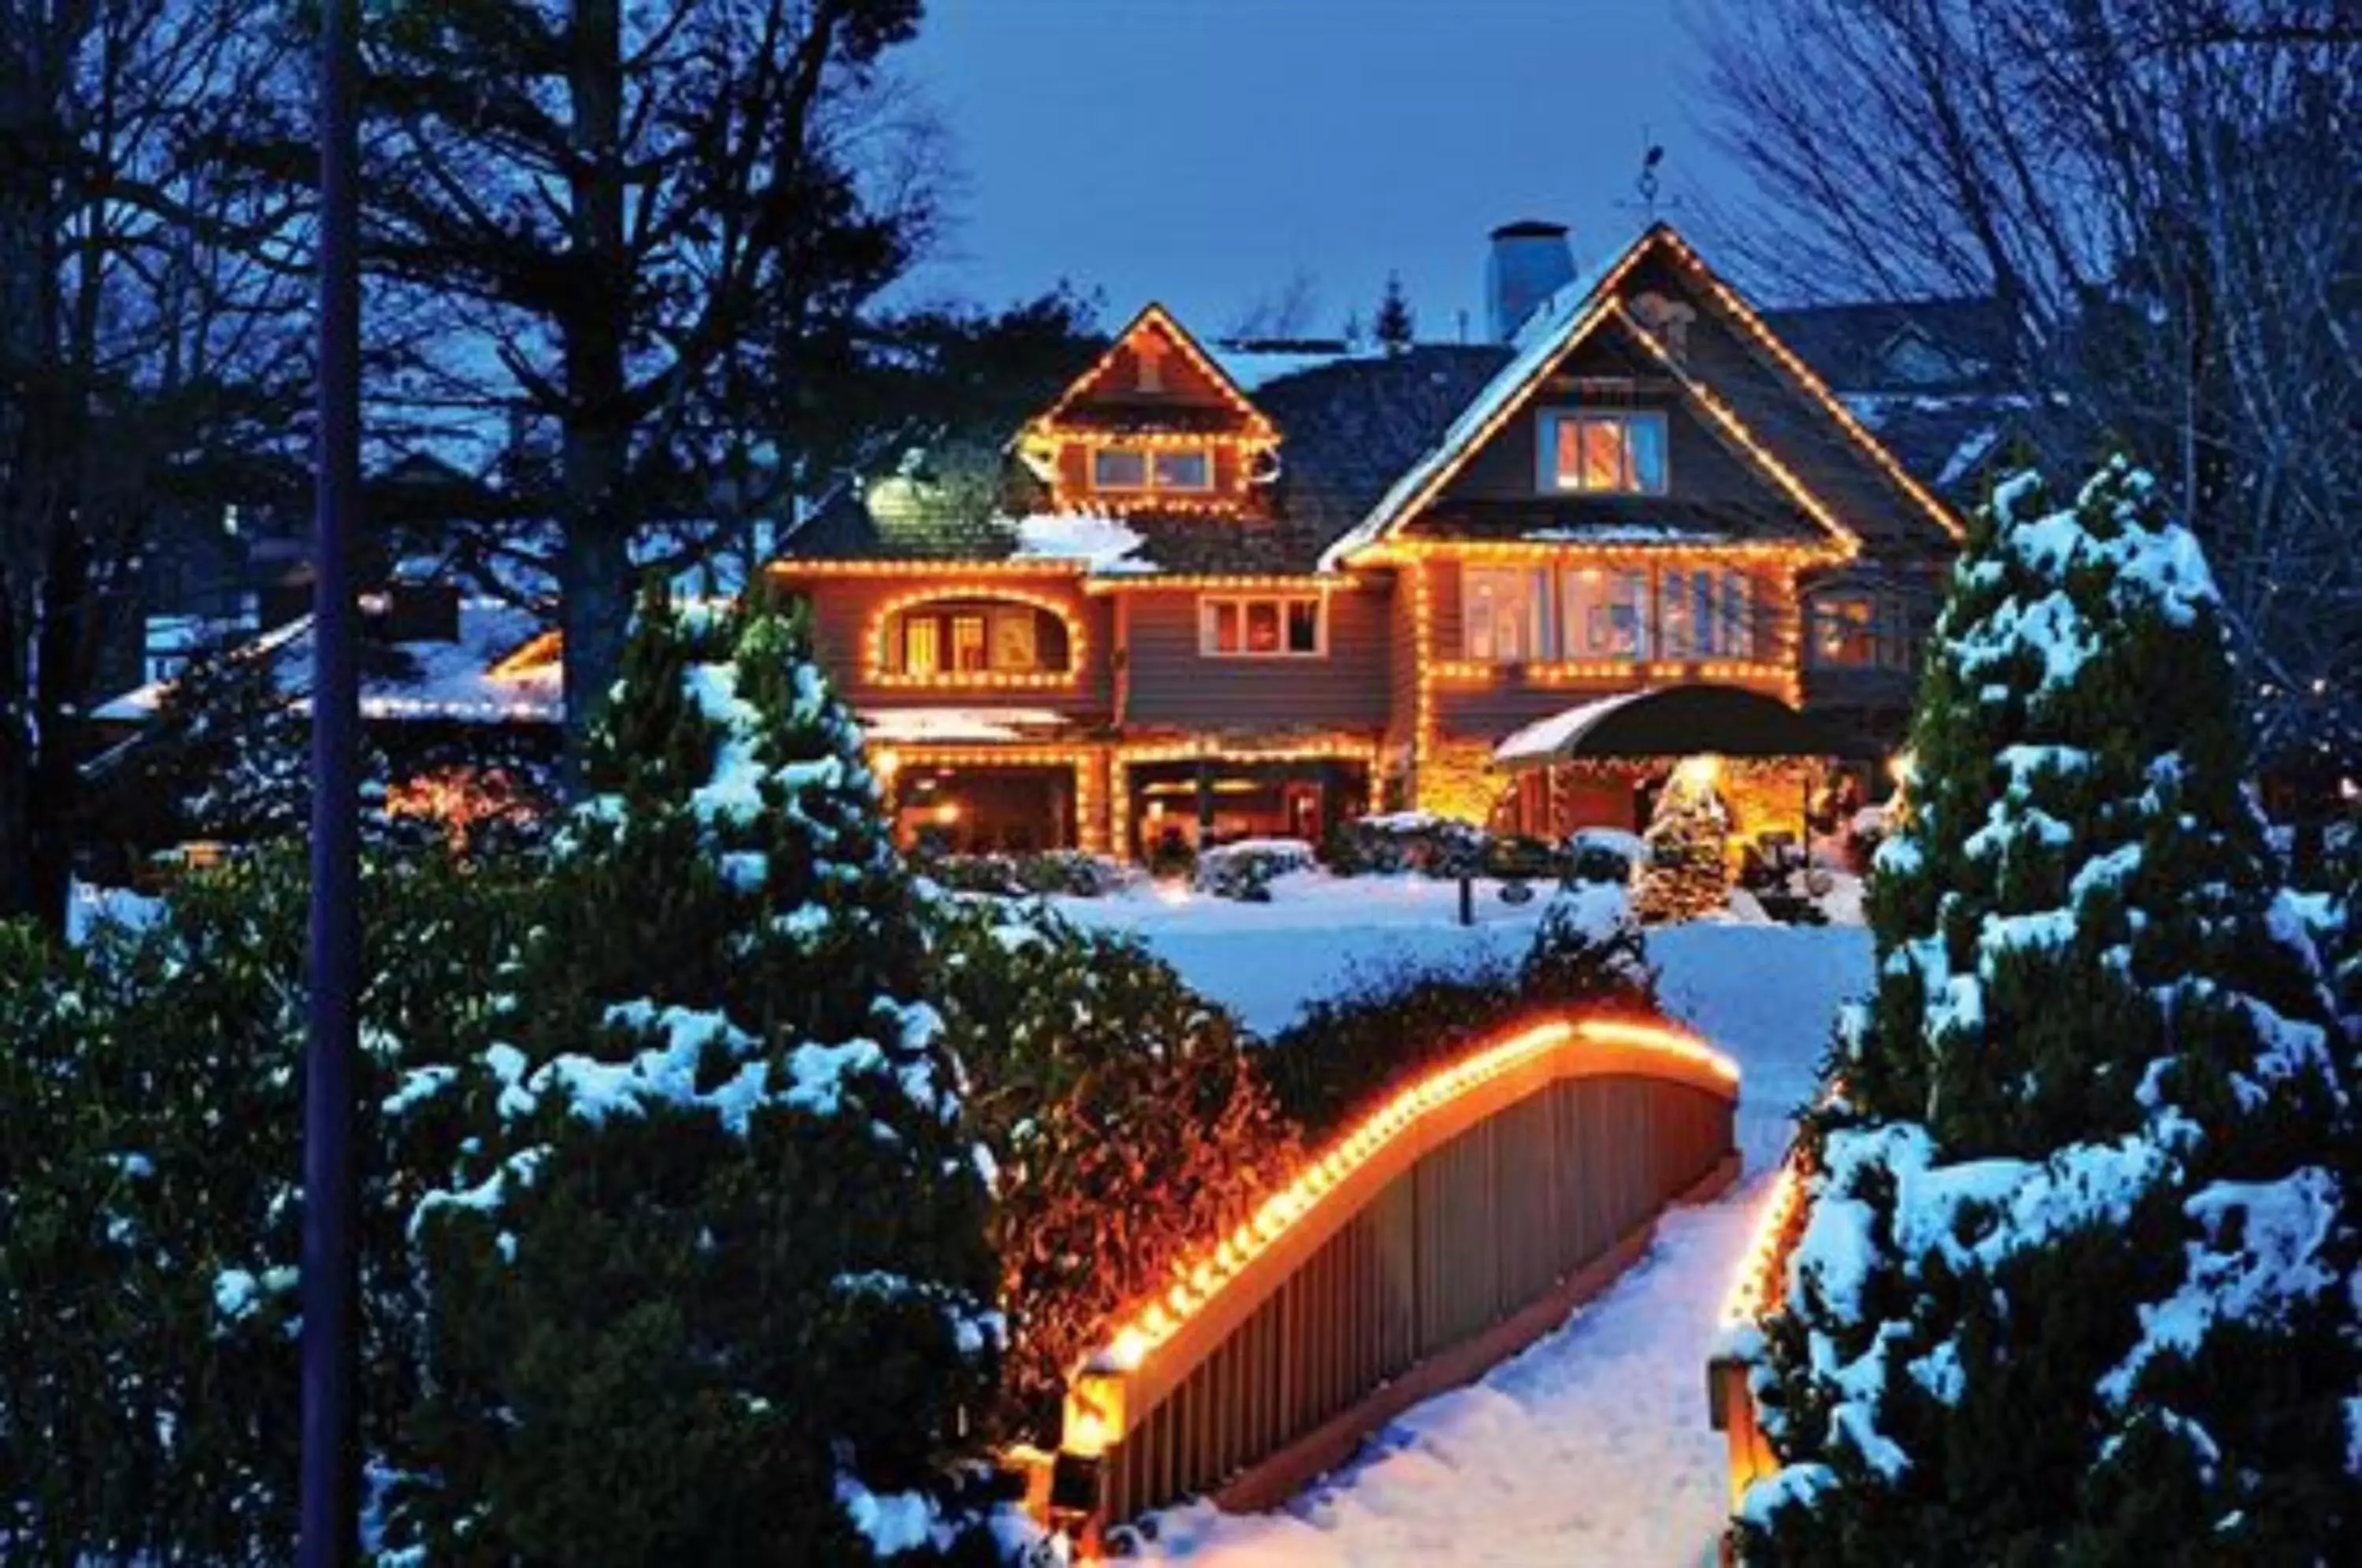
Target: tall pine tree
(712, 1284)
(2078, 1280)
(1394, 326)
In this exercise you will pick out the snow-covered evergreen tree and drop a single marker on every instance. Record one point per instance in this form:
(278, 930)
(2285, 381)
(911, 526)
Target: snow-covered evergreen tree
(1688, 870)
(2078, 1280)
(710, 1284)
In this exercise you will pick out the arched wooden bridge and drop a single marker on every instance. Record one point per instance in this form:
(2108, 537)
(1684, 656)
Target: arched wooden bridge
(1463, 1220)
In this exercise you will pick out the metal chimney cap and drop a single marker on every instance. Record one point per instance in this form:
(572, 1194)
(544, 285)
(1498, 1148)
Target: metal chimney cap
(1530, 228)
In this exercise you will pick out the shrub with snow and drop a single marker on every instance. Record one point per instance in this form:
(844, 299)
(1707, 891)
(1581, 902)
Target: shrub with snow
(1246, 869)
(708, 1281)
(1407, 841)
(1126, 1123)
(2078, 1283)
(1606, 855)
(1070, 873)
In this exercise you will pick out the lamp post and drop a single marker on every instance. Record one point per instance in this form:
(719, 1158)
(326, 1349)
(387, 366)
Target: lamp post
(331, 1461)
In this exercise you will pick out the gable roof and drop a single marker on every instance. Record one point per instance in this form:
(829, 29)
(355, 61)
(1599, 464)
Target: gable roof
(1070, 411)
(1852, 345)
(1562, 322)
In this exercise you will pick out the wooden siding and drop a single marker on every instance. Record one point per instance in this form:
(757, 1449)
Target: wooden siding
(843, 607)
(1402, 655)
(1175, 685)
(1702, 466)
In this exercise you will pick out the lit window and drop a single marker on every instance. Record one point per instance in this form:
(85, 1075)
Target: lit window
(1015, 640)
(1190, 470)
(1607, 614)
(1844, 629)
(1505, 613)
(1704, 613)
(1261, 628)
(1119, 468)
(969, 654)
(923, 645)
(1612, 453)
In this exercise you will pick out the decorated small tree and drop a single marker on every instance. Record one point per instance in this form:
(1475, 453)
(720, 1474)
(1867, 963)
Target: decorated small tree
(710, 1284)
(2077, 1283)
(1688, 870)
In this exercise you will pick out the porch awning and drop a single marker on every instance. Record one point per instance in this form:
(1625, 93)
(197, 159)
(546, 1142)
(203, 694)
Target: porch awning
(1673, 721)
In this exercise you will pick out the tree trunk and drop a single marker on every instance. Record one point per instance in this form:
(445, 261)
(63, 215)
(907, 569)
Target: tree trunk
(595, 564)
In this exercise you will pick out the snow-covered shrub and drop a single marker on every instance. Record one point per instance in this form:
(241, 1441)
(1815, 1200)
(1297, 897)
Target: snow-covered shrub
(707, 1282)
(1126, 1124)
(1606, 855)
(2078, 1283)
(1407, 841)
(1245, 870)
(1588, 950)
(1347, 1052)
(149, 1213)
(1073, 873)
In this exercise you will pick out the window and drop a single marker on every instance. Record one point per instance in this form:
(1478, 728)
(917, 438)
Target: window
(1261, 628)
(923, 645)
(1612, 453)
(1015, 644)
(1191, 469)
(1505, 613)
(1137, 467)
(1704, 613)
(1844, 630)
(1606, 615)
(968, 649)
(1119, 468)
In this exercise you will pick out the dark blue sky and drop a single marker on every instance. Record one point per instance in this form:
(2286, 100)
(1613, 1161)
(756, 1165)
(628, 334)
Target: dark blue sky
(1201, 152)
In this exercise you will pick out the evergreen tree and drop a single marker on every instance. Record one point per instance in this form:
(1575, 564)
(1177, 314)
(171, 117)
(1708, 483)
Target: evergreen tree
(227, 756)
(1688, 870)
(1393, 325)
(2078, 1279)
(710, 1285)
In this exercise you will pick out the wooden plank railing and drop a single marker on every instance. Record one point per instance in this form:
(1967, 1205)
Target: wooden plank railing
(1755, 1294)
(1459, 1221)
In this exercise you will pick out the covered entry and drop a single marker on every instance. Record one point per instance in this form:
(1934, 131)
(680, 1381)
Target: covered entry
(1208, 798)
(1599, 764)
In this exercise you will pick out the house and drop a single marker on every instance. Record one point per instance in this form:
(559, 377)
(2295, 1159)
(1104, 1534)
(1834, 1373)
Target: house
(1219, 594)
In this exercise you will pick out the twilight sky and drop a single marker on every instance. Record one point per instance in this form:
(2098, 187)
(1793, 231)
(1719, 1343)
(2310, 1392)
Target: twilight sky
(1201, 152)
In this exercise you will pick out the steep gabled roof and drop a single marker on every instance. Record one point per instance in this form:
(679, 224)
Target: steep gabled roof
(1069, 411)
(1565, 322)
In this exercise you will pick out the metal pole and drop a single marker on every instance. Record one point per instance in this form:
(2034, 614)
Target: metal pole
(331, 1465)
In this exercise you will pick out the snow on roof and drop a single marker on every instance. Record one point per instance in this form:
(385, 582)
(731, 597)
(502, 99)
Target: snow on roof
(909, 726)
(1104, 544)
(430, 680)
(1550, 737)
(1555, 325)
(1253, 368)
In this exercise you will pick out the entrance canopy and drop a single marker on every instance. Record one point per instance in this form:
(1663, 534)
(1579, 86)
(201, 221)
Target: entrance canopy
(1673, 721)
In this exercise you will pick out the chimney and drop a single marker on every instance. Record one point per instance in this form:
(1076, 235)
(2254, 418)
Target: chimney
(1530, 262)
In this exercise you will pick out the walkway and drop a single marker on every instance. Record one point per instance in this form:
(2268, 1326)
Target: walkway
(1591, 1450)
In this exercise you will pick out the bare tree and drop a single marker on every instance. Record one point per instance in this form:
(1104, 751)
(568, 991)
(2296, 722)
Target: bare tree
(1288, 311)
(632, 229)
(2162, 197)
(150, 350)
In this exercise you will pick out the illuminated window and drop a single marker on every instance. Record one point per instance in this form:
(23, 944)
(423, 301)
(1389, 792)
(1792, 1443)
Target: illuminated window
(1138, 468)
(923, 645)
(1280, 627)
(1704, 613)
(1610, 454)
(1505, 613)
(1844, 629)
(969, 654)
(1607, 614)
(1015, 644)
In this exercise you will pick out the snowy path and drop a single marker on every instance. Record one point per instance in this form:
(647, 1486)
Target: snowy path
(1590, 1449)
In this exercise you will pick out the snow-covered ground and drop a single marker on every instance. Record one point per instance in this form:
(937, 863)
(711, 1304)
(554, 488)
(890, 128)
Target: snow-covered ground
(1591, 1450)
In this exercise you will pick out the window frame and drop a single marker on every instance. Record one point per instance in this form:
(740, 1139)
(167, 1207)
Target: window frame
(1549, 480)
(1643, 605)
(1209, 608)
(1151, 482)
(1541, 585)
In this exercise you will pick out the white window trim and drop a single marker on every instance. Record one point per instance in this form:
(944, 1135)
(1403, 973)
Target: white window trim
(1206, 603)
(1149, 484)
(1546, 479)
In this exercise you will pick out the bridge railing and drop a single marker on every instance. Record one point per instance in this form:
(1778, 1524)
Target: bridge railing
(1461, 1221)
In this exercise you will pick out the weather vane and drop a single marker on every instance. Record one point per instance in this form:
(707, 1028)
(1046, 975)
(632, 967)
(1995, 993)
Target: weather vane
(1648, 184)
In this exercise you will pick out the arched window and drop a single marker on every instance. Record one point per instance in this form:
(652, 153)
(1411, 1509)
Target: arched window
(993, 638)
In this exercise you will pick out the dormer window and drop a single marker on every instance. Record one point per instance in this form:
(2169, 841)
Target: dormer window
(1596, 452)
(1188, 469)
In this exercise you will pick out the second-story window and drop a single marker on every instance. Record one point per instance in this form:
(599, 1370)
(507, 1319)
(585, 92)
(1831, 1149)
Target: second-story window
(1505, 613)
(1182, 469)
(1261, 628)
(1620, 452)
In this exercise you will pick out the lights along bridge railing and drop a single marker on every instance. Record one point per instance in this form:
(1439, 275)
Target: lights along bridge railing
(1457, 1223)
